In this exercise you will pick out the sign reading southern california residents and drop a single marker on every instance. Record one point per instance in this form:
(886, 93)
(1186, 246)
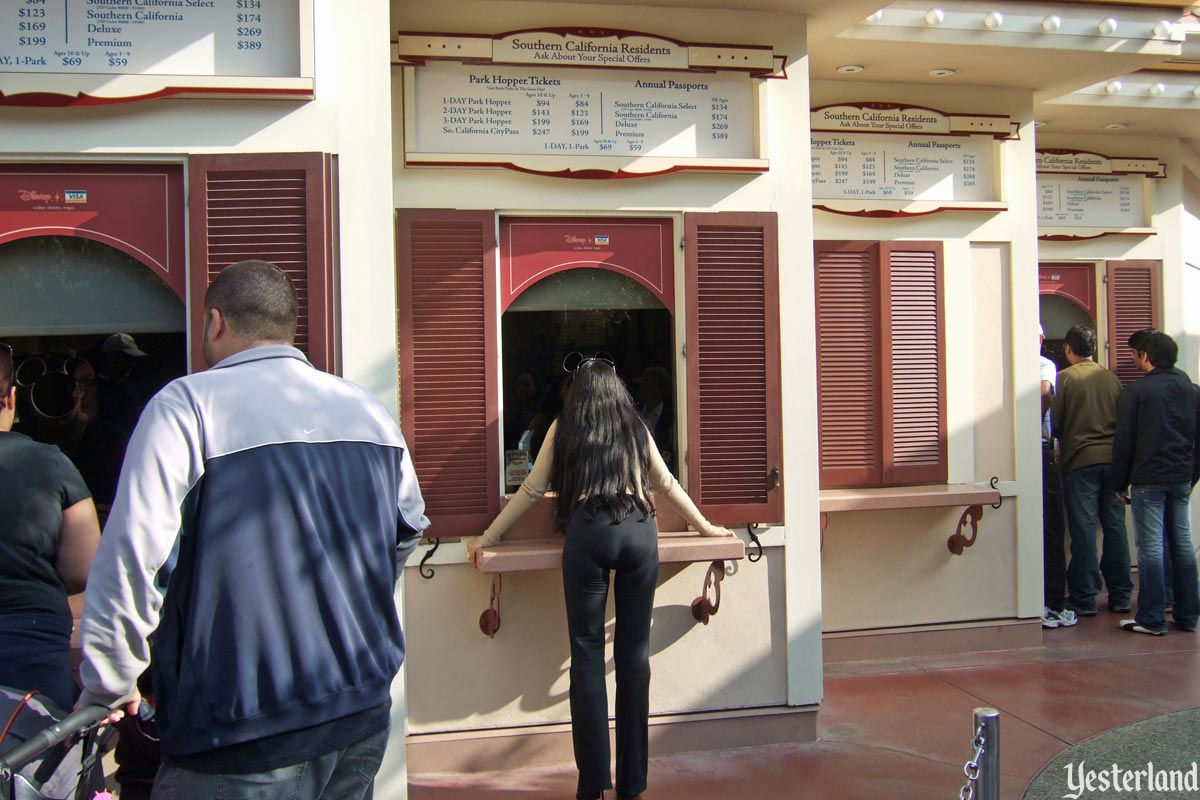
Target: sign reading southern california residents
(622, 50)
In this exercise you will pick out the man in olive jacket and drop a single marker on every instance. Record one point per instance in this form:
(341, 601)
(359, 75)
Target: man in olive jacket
(1157, 451)
(1084, 417)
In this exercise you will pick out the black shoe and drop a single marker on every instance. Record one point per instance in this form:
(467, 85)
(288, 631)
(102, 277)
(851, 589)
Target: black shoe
(589, 795)
(1082, 612)
(1132, 626)
(1120, 608)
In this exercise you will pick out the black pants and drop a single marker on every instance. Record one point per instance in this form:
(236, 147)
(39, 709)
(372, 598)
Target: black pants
(593, 549)
(1054, 555)
(35, 653)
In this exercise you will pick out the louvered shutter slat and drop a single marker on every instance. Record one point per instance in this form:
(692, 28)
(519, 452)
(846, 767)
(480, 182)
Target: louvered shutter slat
(847, 381)
(447, 310)
(915, 437)
(1132, 305)
(733, 366)
(272, 207)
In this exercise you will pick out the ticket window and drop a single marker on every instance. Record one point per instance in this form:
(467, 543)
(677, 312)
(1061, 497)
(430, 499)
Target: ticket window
(587, 287)
(459, 273)
(589, 312)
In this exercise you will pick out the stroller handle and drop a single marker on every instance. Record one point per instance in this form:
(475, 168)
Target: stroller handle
(68, 726)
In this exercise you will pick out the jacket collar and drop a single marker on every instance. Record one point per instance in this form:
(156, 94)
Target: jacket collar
(261, 353)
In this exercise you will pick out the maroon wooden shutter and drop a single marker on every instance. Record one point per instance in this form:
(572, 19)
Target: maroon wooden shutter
(449, 395)
(276, 207)
(848, 392)
(735, 448)
(913, 363)
(1132, 305)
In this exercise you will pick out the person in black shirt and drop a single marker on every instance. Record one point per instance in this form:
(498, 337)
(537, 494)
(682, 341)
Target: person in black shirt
(48, 535)
(1156, 451)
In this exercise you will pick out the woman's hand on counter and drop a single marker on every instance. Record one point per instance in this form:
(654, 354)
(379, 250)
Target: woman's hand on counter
(716, 530)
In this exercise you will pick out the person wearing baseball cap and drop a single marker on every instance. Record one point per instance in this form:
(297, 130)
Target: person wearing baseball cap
(123, 343)
(120, 392)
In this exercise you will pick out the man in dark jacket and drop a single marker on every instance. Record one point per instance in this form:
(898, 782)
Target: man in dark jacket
(1157, 452)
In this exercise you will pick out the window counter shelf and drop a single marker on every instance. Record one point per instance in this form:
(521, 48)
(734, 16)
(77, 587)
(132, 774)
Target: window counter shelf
(523, 555)
(940, 495)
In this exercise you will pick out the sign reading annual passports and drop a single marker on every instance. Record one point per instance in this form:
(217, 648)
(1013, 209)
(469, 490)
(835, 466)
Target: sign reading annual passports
(96, 52)
(900, 167)
(151, 37)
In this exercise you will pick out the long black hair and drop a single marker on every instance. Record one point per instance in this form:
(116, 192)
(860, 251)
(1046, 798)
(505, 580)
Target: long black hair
(601, 448)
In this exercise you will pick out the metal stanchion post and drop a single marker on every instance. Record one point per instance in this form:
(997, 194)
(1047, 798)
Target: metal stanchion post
(988, 721)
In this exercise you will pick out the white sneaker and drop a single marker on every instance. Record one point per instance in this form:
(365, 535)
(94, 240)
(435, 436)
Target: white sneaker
(1049, 618)
(1066, 618)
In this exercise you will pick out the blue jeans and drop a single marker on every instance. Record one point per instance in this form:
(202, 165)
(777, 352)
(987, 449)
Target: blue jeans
(346, 774)
(1090, 499)
(1150, 504)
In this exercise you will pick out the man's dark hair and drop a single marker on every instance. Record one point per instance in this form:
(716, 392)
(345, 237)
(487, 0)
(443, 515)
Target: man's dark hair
(1137, 339)
(1161, 350)
(1082, 340)
(6, 371)
(257, 299)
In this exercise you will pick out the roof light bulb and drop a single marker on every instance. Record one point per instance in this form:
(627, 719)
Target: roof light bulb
(993, 20)
(934, 16)
(1112, 87)
(1157, 89)
(1107, 26)
(1196, 92)
(875, 17)
(1163, 29)
(1051, 23)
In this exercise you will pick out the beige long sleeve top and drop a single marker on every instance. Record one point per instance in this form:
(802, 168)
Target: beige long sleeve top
(534, 488)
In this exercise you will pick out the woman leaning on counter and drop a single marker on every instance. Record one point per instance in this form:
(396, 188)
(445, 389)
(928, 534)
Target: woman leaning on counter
(602, 462)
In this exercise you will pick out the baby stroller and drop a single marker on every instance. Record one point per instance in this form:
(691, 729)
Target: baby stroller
(45, 755)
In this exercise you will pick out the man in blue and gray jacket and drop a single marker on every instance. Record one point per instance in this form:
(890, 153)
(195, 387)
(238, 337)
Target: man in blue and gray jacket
(264, 512)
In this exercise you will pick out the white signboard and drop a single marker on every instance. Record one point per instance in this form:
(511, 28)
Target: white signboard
(151, 37)
(486, 109)
(1091, 201)
(896, 167)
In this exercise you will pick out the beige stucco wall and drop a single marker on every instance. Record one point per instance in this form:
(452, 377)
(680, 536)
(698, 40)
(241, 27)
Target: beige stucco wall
(893, 569)
(464, 680)
(764, 646)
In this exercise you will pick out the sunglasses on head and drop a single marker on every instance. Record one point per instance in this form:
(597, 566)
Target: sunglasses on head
(575, 360)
